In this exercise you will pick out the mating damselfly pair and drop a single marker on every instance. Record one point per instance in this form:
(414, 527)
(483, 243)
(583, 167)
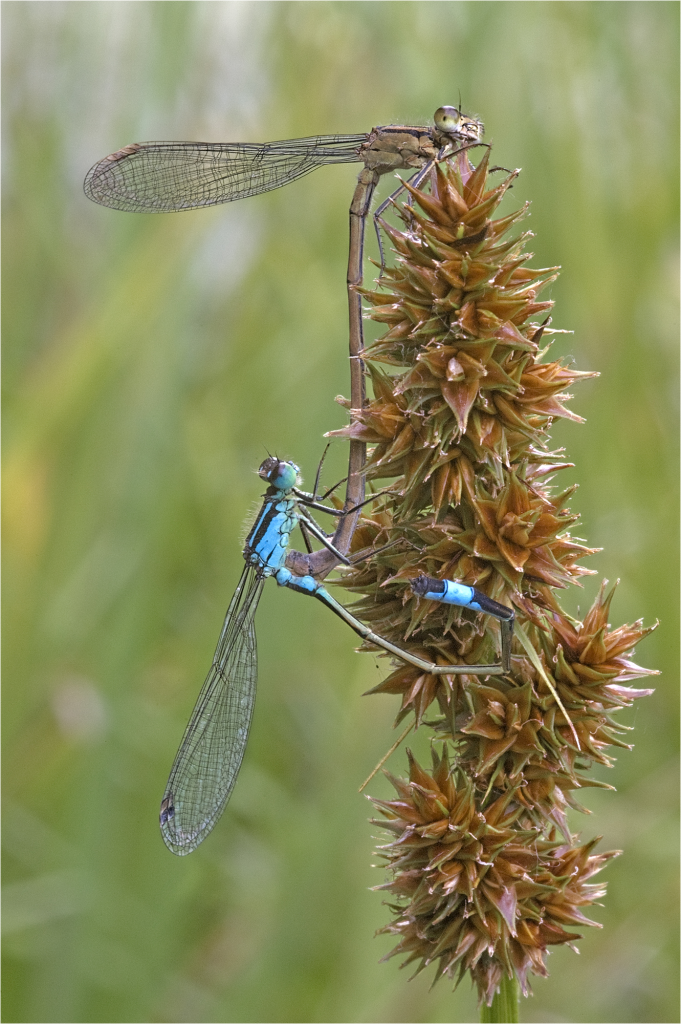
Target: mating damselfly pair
(166, 176)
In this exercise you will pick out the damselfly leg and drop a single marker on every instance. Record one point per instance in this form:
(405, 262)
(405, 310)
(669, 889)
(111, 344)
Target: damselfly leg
(415, 182)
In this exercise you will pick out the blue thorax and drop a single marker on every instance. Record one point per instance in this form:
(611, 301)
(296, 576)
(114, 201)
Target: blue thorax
(267, 543)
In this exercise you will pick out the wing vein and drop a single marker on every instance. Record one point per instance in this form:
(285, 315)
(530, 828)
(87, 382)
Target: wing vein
(158, 177)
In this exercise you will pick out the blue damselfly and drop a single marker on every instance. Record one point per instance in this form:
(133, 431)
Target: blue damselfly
(207, 763)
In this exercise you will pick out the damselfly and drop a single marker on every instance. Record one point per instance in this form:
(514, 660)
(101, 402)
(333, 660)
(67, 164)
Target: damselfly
(207, 763)
(160, 177)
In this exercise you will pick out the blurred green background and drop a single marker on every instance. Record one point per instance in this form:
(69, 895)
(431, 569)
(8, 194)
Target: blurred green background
(148, 363)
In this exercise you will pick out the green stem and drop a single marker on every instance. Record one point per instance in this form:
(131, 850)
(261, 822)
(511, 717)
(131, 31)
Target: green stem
(504, 1008)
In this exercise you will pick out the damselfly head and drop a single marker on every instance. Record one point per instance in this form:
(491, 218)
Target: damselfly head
(281, 475)
(452, 122)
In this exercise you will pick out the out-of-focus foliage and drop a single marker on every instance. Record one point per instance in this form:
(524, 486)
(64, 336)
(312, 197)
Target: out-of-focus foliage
(148, 362)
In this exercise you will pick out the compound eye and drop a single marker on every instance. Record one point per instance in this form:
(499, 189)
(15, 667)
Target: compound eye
(280, 475)
(447, 119)
(287, 476)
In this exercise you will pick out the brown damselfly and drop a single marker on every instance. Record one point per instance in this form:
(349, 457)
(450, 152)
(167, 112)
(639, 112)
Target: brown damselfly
(163, 177)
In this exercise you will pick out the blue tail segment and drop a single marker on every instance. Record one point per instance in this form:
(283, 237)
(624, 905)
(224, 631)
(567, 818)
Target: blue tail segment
(449, 592)
(207, 763)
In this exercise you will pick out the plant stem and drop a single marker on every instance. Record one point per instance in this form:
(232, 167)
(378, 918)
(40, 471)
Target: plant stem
(504, 1008)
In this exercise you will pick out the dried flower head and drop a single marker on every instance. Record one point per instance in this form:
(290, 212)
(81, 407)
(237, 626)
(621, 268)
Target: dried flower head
(476, 892)
(485, 869)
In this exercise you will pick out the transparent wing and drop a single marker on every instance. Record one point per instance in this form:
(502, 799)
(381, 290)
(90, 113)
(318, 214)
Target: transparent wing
(157, 177)
(207, 764)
